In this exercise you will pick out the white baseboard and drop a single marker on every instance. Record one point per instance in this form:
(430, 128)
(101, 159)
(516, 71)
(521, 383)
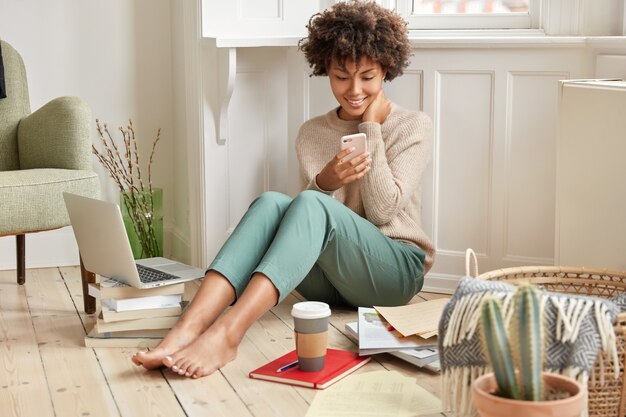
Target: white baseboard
(43, 249)
(440, 283)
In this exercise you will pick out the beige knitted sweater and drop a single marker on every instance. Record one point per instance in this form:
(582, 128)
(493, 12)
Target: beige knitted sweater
(389, 195)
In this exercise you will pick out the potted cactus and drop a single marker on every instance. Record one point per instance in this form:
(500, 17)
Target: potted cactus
(518, 385)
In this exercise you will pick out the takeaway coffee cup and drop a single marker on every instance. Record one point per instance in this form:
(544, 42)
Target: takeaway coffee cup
(311, 328)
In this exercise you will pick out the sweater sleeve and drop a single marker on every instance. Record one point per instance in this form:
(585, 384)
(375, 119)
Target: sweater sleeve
(312, 184)
(397, 165)
(307, 162)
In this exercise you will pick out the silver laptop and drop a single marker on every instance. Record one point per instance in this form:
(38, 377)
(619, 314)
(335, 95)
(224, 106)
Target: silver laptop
(105, 250)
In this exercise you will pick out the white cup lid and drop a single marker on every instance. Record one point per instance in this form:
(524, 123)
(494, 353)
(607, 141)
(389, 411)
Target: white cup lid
(310, 310)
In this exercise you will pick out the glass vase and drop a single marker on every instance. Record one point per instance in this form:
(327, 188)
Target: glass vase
(142, 212)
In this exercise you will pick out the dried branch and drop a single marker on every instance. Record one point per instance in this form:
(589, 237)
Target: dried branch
(124, 169)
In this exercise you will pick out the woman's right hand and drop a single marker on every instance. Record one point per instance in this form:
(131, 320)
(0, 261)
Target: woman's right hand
(338, 173)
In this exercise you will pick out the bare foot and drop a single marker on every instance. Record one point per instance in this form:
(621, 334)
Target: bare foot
(181, 335)
(209, 352)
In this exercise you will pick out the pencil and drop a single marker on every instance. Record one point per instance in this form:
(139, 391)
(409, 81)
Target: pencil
(288, 366)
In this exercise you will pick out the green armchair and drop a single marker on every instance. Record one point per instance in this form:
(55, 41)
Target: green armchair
(42, 155)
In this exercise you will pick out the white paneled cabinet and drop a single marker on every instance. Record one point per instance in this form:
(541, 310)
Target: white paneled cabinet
(591, 175)
(256, 21)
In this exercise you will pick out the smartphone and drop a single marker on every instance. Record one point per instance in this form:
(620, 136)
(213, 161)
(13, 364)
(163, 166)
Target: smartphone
(356, 141)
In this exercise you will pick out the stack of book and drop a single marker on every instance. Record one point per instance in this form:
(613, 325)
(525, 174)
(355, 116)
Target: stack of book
(407, 332)
(133, 317)
(421, 356)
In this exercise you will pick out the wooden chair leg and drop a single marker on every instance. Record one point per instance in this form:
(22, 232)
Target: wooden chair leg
(20, 241)
(87, 277)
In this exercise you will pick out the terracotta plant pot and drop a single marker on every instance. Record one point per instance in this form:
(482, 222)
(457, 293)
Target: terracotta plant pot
(490, 405)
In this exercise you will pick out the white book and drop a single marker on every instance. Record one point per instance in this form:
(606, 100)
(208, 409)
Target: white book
(141, 339)
(110, 315)
(421, 356)
(377, 336)
(151, 323)
(143, 303)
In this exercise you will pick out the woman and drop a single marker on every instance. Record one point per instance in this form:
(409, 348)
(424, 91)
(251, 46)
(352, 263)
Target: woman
(353, 237)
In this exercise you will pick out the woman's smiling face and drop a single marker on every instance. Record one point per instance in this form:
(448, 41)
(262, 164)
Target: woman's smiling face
(355, 85)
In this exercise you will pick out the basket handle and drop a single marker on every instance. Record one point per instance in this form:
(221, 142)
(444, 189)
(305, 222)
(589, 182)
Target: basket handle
(471, 268)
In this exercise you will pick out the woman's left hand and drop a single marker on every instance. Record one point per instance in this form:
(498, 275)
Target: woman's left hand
(379, 109)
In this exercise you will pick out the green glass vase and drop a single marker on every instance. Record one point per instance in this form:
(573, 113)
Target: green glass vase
(142, 212)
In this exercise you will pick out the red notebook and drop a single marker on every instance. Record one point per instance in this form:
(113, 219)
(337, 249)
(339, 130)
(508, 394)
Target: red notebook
(338, 364)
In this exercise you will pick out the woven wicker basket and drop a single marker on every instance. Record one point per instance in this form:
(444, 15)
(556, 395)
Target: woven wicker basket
(607, 395)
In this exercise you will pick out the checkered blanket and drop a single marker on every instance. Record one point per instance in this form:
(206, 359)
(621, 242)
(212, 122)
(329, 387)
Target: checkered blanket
(576, 329)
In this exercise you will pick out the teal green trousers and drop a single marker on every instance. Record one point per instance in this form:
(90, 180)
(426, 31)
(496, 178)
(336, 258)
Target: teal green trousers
(320, 247)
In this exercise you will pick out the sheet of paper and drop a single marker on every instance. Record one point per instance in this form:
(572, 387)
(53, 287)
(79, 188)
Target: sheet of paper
(374, 394)
(428, 335)
(414, 318)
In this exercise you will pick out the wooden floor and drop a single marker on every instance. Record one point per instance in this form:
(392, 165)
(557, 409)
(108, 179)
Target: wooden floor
(45, 370)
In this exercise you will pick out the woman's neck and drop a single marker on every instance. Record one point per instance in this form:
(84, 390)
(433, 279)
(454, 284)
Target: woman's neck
(343, 116)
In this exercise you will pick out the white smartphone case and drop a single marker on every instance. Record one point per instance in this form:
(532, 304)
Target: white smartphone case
(356, 141)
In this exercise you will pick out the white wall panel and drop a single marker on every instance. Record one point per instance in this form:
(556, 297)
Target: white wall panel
(320, 96)
(247, 144)
(260, 9)
(253, 19)
(256, 147)
(463, 152)
(530, 166)
(611, 66)
(407, 90)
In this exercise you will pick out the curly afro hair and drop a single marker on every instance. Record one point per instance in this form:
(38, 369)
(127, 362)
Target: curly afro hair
(351, 30)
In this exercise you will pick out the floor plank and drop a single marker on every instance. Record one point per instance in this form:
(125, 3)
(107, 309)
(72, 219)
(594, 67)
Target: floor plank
(22, 375)
(71, 369)
(42, 326)
(209, 396)
(47, 294)
(137, 391)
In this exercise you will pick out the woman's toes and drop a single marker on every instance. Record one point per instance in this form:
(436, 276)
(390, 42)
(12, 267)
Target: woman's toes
(192, 370)
(182, 365)
(168, 361)
(137, 358)
(199, 373)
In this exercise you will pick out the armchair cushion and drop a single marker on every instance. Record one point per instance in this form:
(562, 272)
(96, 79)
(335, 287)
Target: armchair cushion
(32, 200)
(56, 136)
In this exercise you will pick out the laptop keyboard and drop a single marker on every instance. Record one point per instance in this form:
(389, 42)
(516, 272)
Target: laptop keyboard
(151, 275)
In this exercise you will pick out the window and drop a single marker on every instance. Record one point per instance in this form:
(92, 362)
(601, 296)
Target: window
(468, 14)
(471, 6)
